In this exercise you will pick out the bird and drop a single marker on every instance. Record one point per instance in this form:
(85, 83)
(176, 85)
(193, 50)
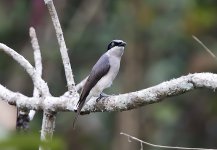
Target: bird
(102, 74)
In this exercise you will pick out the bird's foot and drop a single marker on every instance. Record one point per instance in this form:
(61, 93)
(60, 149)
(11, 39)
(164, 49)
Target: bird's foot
(102, 95)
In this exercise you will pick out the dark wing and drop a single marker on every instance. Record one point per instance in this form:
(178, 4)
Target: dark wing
(100, 69)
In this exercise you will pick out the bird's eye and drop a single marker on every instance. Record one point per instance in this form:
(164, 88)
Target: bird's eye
(111, 45)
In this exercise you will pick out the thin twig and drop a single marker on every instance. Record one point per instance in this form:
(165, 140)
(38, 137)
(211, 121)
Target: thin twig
(204, 46)
(162, 146)
(38, 64)
(62, 45)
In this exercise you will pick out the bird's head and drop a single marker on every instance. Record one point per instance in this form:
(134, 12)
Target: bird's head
(116, 47)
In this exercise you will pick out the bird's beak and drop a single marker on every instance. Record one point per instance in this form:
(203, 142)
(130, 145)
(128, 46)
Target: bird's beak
(123, 44)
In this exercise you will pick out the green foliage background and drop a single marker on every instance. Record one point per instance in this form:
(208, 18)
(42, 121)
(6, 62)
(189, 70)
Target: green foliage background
(160, 47)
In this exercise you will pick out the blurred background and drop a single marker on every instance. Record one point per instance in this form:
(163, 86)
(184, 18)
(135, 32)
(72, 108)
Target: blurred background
(160, 47)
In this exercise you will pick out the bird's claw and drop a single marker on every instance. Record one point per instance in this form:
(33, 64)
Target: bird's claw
(102, 95)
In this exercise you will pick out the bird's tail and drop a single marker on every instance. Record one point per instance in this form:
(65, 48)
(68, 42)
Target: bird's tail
(78, 113)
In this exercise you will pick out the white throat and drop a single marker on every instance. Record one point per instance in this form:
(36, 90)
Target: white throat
(116, 51)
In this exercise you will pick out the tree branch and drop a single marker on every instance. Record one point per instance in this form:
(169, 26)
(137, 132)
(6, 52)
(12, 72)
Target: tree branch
(81, 84)
(62, 45)
(160, 146)
(37, 80)
(20, 59)
(48, 125)
(37, 52)
(122, 102)
(25, 116)
(153, 94)
(38, 64)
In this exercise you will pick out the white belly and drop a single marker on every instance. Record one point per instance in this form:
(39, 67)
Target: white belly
(105, 81)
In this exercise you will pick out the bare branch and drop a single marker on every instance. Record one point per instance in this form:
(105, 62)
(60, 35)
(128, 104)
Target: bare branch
(121, 102)
(81, 84)
(37, 52)
(62, 45)
(37, 81)
(17, 99)
(25, 116)
(204, 46)
(160, 146)
(38, 64)
(153, 94)
(19, 58)
(48, 125)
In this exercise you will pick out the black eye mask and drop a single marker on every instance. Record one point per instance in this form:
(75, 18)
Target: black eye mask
(113, 44)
